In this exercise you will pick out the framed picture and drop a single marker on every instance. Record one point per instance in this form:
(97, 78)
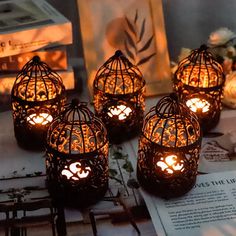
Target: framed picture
(136, 27)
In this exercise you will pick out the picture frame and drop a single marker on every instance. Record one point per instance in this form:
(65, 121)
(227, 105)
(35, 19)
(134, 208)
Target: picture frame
(136, 27)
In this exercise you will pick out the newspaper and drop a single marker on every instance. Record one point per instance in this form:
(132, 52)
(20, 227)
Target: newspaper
(209, 208)
(218, 147)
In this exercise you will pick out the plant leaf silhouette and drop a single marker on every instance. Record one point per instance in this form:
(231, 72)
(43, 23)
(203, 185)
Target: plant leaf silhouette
(131, 27)
(145, 59)
(129, 53)
(130, 40)
(147, 44)
(136, 16)
(142, 30)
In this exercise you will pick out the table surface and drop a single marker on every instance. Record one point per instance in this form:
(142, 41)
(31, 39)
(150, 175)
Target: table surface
(20, 168)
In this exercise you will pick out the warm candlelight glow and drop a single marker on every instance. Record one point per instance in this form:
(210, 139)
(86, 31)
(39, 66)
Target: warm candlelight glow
(75, 169)
(198, 105)
(41, 118)
(121, 111)
(171, 164)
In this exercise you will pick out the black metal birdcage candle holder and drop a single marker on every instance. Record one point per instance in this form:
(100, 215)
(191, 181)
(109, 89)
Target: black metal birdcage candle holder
(199, 82)
(119, 97)
(77, 156)
(169, 149)
(37, 96)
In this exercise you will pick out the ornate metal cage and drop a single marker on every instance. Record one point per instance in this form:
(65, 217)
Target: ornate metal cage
(169, 149)
(37, 96)
(77, 156)
(199, 82)
(119, 97)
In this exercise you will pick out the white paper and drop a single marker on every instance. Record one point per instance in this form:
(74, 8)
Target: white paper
(208, 209)
(223, 156)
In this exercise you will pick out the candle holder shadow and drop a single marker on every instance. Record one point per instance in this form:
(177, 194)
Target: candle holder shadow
(77, 157)
(37, 96)
(169, 149)
(199, 82)
(119, 97)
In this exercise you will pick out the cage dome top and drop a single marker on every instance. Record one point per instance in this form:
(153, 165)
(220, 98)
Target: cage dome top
(76, 130)
(118, 76)
(200, 69)
(171, 124)
(36, 82)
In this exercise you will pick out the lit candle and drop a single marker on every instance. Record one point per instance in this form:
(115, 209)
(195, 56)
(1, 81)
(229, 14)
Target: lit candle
(121, 111)
(76, 172)
(39, 119)
(170, 164)
(198, 105)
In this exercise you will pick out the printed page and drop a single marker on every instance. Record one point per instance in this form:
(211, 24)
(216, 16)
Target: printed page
(218, 147)
(208, 209)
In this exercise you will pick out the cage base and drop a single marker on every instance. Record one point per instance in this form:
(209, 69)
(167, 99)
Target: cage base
(33, 140)
(208, 123)
(117, 135)
(74, 197)
(165, 189)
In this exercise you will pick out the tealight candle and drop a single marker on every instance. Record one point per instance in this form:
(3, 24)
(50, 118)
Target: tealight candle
(39, 119)
(198, 105)
(121, 111)
(170, 164)
(75, 171)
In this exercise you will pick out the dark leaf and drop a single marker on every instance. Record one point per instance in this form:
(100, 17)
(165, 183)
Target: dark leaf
(31, 188)
(147, 44)
(38, 173)
(213, 134)
(29, 175)
(142, 30)
(128, 167)
(131, 27)
(145, 59)
(129, 53)
(113, 172)
(136, 16)
(117, 155)
(130, 40)
(116, 179)
(133, 183)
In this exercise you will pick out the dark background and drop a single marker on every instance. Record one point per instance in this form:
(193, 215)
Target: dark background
(188, 22)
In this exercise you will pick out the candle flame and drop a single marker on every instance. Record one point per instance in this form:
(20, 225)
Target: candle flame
(121, 111)
(41, 118)
(75, 169)
(170, 164)
(197, 104)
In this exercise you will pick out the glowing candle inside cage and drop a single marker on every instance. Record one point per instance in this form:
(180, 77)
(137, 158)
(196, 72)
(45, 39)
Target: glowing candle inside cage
(120, 111)
(75, 171)
(39, 119)
(170, 164)
(198, 105)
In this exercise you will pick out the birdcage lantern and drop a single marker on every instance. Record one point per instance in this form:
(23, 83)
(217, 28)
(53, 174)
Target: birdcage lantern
(169, 148)
(77, 156)
(37, 96)
(199, 82)
(119, 97)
